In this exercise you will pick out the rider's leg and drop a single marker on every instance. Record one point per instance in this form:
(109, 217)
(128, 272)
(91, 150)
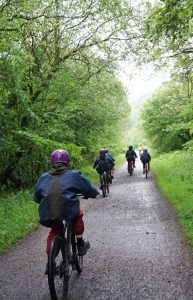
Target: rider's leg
(148, 166)
(78, 229)
(56, 229)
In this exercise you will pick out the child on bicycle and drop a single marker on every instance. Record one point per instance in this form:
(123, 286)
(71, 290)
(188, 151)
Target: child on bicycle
(111, 161)
(145, 158)
(102, 163)
(131, 155)
(56, 193)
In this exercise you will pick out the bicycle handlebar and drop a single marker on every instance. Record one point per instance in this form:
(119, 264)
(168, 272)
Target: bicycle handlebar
(81, 195)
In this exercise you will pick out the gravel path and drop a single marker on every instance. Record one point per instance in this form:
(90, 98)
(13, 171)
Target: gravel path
(137, 250)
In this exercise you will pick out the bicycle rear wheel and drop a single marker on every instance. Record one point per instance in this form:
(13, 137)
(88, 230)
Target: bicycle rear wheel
(107, 183)
(79, 263)
(103, 185)
(77, 259)
(130, 168)
(146, 170)
(56, 266)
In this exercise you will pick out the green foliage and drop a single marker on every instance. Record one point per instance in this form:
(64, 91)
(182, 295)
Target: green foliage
(168, 30)
(167, 119)
(174, 174)
(56, 91)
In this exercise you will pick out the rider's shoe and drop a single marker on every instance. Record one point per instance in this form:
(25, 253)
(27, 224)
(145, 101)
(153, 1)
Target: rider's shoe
(82, 250)
(112, 177)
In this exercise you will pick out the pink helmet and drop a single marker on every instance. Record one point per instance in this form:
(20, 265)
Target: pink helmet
(59, 156)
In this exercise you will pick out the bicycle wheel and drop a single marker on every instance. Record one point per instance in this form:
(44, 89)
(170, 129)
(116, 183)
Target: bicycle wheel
(79, 263)
(146, 170)
(109, 177)
(56, 259)
(103, 185)
(130, 168)
(107, 183)
(77, 260)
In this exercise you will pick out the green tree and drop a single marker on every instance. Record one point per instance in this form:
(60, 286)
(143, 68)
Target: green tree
(166, 121)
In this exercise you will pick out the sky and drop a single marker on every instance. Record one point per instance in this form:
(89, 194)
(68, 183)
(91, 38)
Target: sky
(140, 82)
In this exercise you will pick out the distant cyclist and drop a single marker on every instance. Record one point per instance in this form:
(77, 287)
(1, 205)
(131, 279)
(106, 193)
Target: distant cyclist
(111, 161)
(145, 158)
(131, 155)
(56, 193)
(101, 163)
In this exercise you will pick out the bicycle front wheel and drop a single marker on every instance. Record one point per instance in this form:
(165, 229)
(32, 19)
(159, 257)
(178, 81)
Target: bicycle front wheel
(56, 269)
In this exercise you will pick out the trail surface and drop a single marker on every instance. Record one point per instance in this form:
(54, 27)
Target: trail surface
(137, 250)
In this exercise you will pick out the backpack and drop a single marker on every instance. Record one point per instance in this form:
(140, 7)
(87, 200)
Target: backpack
(145, 157)
(102, 166)
(130, 155)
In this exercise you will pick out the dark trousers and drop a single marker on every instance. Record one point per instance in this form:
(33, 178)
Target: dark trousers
(148, 163)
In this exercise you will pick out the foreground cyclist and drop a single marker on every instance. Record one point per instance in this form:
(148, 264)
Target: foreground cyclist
(56, 192)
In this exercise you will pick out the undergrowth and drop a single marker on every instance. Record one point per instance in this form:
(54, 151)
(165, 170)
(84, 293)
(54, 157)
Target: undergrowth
(174, 173)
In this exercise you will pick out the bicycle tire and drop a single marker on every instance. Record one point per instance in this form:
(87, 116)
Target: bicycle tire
(55, 269)
(103, 185)
(146, 171)
(79, 263)
(107, 183)
(77, 260)
(130, 168)
(110, 178)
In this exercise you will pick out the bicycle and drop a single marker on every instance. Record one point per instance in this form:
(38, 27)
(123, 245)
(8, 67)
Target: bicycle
(130, 167)
(63, 259)
(104, 181)
(146, 169)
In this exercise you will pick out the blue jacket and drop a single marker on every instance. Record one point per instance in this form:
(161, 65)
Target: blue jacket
(105, 158)
(110, 158)
(145, 157)
(57, 195)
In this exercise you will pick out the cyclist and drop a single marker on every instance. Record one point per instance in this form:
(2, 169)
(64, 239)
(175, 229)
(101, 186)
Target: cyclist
(131, 155)
(101, 163)
(56, 193)
(111, 161)
(145, 158)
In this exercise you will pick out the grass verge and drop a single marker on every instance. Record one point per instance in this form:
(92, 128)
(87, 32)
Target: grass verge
(174, 173)
(18, 217)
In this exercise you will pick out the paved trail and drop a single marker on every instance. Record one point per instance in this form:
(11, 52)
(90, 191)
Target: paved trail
(137, 250)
